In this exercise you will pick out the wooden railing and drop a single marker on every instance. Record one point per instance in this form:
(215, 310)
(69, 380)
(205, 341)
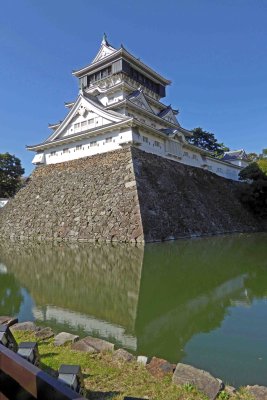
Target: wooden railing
(20, 380)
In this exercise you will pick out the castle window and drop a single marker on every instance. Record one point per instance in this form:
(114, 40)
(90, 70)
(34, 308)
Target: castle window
(209, 167)
(79, 147)
(92, 144)
(91, 121)
(143, 120)
(76, 126)
(152, 124)
(84, 123)
(53, 153)
(156, 143)
(103, 73)
(145, 139)
(66, 150)
(219, 170)
(108, 139)
(194, 156)
(144, 80)
(186, 154)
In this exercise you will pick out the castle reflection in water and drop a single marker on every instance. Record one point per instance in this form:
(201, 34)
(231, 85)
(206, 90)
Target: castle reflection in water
(152, 300)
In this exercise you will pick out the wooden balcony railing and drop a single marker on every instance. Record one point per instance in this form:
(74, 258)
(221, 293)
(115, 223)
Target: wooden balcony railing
(20, 380)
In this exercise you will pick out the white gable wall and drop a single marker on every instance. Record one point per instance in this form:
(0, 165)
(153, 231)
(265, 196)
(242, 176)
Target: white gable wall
(82, 123)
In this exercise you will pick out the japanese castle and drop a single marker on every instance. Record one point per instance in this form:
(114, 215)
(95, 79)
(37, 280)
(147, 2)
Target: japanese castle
(119, 104)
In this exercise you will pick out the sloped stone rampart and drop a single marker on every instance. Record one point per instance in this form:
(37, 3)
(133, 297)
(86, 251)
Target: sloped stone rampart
(125, 195)
(87, 199)
(178, 200)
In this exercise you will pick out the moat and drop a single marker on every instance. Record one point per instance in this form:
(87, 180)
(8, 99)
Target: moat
(199, 301)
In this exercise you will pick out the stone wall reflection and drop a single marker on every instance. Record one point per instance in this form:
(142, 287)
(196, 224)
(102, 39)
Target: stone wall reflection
(151, 299)
(99, 281)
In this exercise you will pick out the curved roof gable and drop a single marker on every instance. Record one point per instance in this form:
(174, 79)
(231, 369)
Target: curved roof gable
(169, 115)
(105, 50)
(85, 103)
(137, 97)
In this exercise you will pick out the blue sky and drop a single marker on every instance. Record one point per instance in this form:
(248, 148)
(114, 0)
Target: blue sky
(214, 52)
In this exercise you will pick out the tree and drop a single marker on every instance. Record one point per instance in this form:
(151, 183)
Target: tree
(254, 195)
(207, 141)
(10, 174)
(252, 172)
(252, 156)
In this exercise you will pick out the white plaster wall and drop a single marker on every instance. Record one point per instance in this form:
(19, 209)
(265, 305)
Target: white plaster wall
(188, 157)
(3, 202)
(147, 143)
(222, 169)
(145, 119)
(111, 98)
(195, 159)
(240, 163)
(89, 147)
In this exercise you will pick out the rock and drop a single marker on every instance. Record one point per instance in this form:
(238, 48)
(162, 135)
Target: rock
(202, 380)
(81, 345)
(130, 184)
(258, 392)
(25, 326)
(44, 333)
(230, 390)
(8, 320)
(91, 345)
(123, 355)
(159, 367)
(142, 360)
(65, 337)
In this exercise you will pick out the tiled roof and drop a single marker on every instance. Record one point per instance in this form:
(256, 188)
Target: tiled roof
(235, 155)
(164, 112)
(134, 94)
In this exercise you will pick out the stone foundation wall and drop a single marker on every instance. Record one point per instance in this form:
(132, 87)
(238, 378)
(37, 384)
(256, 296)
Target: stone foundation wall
(92, 198)
(124, 195)
(177, 200)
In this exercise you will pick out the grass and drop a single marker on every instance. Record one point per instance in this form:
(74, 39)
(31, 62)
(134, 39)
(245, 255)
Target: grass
(106, 378)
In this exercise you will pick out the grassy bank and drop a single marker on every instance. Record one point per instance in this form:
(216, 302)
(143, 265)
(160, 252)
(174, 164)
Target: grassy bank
(106, 378)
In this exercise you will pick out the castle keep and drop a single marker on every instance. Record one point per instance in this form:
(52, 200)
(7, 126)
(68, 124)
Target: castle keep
(119, 103)
(119, 168)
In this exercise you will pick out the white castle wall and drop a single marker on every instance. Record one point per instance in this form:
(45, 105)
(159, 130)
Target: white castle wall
(87, 147)
(147, 142)
(185, 156)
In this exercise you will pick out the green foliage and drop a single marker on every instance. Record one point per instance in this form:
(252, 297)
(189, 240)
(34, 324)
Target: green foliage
(255, 194)
(189, 388)
(252, 156)
(10, 175)
(262, 163)
(252, 172)
(207, 141)
(223, 395)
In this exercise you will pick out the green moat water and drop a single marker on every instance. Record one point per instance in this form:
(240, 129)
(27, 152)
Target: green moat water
(199, 301)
